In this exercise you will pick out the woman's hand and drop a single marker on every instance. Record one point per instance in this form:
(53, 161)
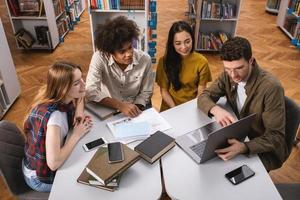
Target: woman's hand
(79, 110)
(83, 126)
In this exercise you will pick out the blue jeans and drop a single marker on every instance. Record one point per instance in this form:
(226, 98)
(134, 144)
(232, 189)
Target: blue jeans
(33, 182)
(37, 185)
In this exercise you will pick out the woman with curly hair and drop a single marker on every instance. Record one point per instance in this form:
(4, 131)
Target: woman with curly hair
(181, 73)
(120, 76)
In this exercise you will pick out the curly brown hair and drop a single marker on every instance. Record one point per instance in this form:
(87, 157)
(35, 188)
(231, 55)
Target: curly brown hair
(112, 35)
(235, 49)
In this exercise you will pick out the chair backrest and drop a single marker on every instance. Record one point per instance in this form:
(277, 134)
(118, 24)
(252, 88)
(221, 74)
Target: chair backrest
(11, 155)
(292, 111)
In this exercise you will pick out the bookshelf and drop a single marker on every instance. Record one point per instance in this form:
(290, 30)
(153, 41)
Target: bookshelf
(272, 6)
(9, 84)
(288, 20)
(215, 22)
(43, 24)
(136, 10)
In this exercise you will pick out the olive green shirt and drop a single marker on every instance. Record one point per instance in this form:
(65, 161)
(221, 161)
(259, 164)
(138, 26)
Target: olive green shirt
(265, 97)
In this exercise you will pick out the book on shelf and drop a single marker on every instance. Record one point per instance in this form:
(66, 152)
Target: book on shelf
(212, 41)
(216, 10)
(24, 38)
(14, 7)
(41, 34)
(132, 4)
(86, 179)
(33, 8)
(59, 7)
(30, 6)
(69, 3)
(294, 6)
(3, 103)
(42, 8)
(105, 172)
(290, 25)
(103, 112)
(155, 146)
(273, 4)
(118, 4)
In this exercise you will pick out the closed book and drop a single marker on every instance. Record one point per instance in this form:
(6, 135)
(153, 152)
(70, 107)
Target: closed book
(105, 172)
(85, 179)
(155, 146)
(100, 111)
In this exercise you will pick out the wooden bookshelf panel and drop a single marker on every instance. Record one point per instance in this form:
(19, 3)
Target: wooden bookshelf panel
(99, 13)
(51, 16)
(288, 20)
(139, 17)
(213, 18)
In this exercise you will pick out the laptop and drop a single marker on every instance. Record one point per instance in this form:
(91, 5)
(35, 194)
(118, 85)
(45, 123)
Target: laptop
(100, 111)
(201, 143)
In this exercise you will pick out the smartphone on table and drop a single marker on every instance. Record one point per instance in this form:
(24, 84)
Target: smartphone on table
(115, 152)
(240, 174)
(94, 144)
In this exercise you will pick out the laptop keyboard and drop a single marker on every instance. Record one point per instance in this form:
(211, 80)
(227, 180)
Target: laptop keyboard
(199, 148)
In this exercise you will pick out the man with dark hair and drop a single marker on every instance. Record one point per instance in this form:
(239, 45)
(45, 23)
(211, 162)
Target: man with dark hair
(248, 89)
(120, 76)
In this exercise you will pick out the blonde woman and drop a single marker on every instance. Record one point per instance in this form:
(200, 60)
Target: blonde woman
(48, 123)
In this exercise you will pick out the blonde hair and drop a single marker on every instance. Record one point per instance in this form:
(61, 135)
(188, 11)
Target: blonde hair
(59, 82)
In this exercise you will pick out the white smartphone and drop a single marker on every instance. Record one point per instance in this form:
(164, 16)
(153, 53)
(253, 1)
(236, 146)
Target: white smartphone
(94, 144)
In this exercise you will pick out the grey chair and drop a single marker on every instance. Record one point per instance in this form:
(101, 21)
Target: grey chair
(11, 155)
(290, 191)
(292, 111)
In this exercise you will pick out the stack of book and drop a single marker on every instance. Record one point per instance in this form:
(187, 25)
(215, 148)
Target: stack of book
(101, 174)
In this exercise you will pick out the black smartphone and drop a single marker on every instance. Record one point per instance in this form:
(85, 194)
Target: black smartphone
(115, 152)
(94, 144)
(240, 174)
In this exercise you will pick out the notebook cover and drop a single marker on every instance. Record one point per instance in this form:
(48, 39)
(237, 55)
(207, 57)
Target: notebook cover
(100, 111)
(104, 171)
(158, 143)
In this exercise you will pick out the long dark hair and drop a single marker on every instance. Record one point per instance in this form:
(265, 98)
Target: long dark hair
(172, 60)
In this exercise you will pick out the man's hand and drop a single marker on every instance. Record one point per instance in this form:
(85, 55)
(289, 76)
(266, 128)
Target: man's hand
(222, 116)
(234, 149)
(130, 110)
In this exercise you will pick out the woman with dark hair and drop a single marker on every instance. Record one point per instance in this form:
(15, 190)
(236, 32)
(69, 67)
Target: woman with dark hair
(50, 119)
(119, 75)
(181, 73)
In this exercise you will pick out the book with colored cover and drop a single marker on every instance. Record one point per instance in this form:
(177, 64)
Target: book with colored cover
(155, 146)
(100, 111)
(86, 179)
(105, 172)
